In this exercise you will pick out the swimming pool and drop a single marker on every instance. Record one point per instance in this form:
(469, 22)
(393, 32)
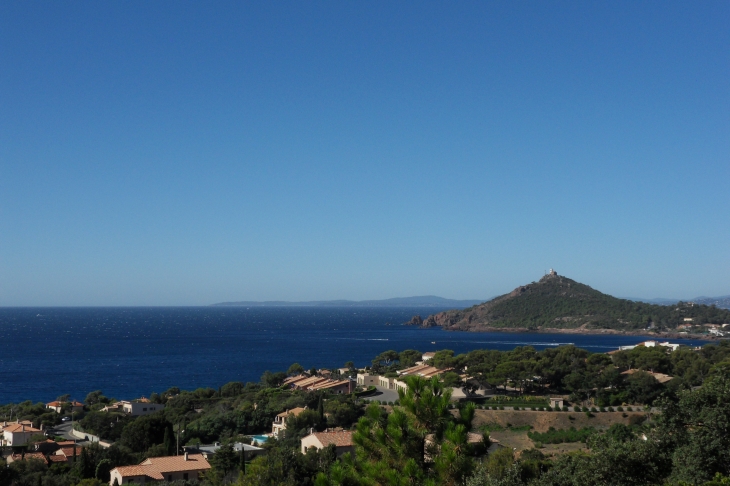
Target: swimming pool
(260, 438)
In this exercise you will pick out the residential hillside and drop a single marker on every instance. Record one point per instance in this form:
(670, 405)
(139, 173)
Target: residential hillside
(722, 302)
(561, 303)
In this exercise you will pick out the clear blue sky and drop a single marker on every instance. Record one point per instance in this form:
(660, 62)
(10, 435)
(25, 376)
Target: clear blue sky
(185, 153)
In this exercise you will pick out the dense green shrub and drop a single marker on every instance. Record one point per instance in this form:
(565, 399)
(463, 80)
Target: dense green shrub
(558, 436)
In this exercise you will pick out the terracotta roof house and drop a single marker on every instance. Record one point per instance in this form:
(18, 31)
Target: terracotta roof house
(303, 384)
(279, 423)
(334, 386)
(660, 377)
(311, 383)
(18, 434)
(294, 379)
(168, 468)
(57, 406)
(56, 459)
(70, 453)
(342, 440)
(423, 370)
(24, 457)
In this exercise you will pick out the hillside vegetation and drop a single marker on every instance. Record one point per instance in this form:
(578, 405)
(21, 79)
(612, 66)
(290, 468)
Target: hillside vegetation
(559, 302)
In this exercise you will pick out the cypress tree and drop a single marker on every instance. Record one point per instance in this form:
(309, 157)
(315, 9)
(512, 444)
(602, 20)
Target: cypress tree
(168, 441)
(320, 409)
(84, 464)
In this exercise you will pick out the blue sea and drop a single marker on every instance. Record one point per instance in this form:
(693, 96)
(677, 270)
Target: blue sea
(132, 352)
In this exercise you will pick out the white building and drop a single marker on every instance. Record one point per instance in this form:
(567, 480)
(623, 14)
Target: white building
(18, 433)
(651, 344)
(366, 379)
(342, 441)
(280, 420)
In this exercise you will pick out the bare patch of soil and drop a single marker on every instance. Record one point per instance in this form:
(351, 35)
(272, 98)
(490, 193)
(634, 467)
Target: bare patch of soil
(517, 440)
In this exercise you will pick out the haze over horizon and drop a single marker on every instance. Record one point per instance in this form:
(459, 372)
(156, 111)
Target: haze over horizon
(188, 154)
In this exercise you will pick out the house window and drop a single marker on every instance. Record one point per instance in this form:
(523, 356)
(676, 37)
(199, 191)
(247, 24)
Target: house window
(144, 409)
(169, 477)
(185, 476)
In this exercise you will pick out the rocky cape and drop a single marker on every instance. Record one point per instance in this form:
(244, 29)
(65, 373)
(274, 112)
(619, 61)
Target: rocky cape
(558, 304)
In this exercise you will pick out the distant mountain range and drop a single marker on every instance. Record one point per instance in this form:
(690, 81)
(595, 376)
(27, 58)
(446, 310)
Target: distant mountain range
(422, 301)
(721, 302)
(557, 302)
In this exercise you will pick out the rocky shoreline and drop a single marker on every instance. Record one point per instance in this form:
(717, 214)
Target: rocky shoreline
(644, 333)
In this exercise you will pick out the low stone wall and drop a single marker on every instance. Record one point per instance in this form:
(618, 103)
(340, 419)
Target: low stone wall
(91, 438)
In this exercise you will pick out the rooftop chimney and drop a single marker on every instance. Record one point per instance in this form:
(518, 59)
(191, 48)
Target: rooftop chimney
(186, 455)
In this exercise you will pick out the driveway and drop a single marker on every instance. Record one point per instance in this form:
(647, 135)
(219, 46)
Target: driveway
(383, 394)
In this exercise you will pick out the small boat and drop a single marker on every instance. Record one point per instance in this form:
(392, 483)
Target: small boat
(433, 342)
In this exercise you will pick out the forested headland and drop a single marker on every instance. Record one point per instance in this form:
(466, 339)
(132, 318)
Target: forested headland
(557, 302)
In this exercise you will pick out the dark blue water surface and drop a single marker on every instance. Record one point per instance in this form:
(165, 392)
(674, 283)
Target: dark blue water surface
(130, 352)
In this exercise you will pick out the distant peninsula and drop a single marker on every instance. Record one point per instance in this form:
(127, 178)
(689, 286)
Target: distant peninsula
(421, 301)
(558, 304)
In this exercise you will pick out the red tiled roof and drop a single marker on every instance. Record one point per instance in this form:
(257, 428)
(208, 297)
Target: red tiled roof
(13, 428)
(154, 467)
(29, 455)
(69, 451)
(57, 458)
(328, 384)
(425, 371)
(339, 439)
(309, 381)
(295, 378)
(660, 377)
(293, 411)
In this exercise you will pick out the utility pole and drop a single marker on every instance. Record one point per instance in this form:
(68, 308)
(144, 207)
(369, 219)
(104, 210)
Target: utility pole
(178, 428)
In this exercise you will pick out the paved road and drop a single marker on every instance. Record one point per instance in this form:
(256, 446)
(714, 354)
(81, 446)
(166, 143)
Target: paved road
(383, 394)
(64, 430)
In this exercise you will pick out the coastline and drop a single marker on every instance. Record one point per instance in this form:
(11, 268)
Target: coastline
(557, 330)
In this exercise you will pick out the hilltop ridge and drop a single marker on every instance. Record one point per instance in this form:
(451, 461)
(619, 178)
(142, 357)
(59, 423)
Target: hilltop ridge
(557, 302)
